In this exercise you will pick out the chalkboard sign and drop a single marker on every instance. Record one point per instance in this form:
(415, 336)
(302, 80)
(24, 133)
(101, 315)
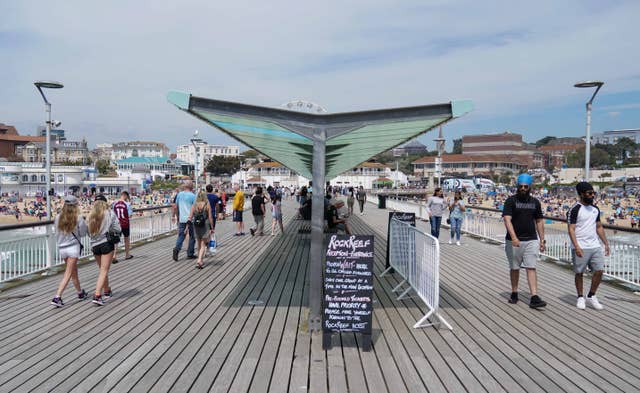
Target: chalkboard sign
(348, 287)
(409, 218)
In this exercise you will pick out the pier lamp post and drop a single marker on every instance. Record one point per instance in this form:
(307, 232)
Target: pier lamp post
(48, 85)
(587, 152)
(194, 141)
(47, 105)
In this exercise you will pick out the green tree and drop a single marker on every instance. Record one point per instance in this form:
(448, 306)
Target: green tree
(103, 167)
(545, 141)
(625, 147)
(220, 165)
(506, 177)
(457, 146)
(599, 157)
(250, 154)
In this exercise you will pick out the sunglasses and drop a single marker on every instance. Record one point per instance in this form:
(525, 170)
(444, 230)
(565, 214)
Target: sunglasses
(524, 186)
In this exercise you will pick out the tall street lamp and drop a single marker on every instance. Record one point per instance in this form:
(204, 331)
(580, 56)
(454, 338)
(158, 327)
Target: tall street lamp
(587, 153)
(48, 85)
(194, 141)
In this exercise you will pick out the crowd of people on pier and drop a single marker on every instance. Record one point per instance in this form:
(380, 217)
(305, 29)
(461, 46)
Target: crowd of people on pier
(196, 215)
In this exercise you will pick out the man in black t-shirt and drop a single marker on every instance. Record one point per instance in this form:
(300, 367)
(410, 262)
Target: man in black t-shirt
(522, 215)
(258, 209)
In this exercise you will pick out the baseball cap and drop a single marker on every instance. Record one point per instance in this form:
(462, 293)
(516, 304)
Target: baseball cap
(101, 198)
(70, 200)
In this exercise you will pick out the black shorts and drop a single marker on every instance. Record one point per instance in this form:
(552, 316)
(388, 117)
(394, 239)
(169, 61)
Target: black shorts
(125, 232)
(103, 248)
(237, 215)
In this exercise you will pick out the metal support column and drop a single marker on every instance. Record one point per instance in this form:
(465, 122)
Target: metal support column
(317, 230)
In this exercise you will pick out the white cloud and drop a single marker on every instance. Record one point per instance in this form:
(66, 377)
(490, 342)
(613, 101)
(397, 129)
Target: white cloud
(119, 58)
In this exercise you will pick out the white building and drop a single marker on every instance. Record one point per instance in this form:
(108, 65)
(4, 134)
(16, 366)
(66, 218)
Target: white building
(268, 173)
(123, 150)
(370, 175)
(29, 178)
(612, 137)
(187, 153)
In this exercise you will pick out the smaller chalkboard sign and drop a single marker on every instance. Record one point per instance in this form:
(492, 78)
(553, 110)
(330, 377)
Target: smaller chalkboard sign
(348, 287)
(409, 218)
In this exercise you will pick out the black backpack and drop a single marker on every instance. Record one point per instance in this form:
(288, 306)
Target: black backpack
(199, 219)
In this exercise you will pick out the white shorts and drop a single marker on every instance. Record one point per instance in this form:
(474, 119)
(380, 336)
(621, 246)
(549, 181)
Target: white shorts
(70, 252)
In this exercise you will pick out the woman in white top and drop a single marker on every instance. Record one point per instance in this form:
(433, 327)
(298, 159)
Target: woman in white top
(70, 228)
(436, 208)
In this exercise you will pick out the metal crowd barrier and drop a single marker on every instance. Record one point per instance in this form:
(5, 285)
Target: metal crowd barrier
(415, 255)
(37, 252)
(623, 264)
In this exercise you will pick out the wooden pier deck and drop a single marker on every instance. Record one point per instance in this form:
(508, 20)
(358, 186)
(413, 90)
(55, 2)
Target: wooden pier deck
(239, 325)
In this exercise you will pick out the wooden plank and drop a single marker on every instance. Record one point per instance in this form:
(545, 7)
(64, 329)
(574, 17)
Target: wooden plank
(336, 364)
(274, 367)
(212, 356)
(240, 376)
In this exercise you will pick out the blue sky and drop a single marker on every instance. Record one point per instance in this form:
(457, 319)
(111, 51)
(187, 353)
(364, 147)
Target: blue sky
(517, 61)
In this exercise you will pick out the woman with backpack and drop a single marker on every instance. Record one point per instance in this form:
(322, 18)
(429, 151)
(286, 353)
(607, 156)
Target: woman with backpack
(102, 222)
(70, 228)
(203, 225)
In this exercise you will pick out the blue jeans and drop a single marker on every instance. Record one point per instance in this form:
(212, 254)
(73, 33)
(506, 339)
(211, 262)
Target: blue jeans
(456, 226)
(191, 250)
(435, 222)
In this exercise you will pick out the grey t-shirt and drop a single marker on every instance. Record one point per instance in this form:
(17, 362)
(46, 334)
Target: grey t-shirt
(436, 205)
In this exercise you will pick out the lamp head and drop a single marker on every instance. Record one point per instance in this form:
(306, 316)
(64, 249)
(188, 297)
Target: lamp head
(589, 84)
(48, 85)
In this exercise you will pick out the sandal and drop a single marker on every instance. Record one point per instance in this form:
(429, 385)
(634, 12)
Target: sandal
(200, 266)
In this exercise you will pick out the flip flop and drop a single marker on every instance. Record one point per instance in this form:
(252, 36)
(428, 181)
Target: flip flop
(129, 257)
(115, 261)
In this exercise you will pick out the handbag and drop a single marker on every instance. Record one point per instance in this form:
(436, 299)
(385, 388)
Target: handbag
(448, 220)
(113, 237)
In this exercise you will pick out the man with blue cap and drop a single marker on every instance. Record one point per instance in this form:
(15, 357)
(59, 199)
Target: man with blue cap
(522, 215)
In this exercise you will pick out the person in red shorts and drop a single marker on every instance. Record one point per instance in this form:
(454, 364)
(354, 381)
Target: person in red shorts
(122, 212)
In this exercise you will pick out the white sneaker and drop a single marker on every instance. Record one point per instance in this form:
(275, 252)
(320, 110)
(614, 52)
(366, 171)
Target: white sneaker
(593, 302)
(458, 243)
(580, 303)
(450, 241)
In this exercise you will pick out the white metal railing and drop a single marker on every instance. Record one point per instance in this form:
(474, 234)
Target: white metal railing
(623, 264)
(420, 209)
(415, 256)
(27, 254)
